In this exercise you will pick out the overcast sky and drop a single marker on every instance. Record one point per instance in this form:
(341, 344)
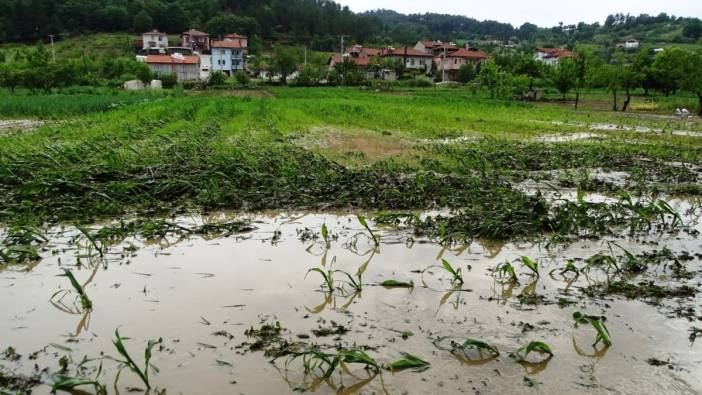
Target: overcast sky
(545, 13)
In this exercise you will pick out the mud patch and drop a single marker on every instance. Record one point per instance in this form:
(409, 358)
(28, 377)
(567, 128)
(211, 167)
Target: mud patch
(18, 125)
(360, 145)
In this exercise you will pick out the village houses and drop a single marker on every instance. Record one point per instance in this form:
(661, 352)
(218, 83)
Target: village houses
(551, 56)
(197, 41)
(229, 54)
(154, 40)
(184, 67)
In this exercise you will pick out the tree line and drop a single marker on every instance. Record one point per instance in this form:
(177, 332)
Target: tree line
(315, 23)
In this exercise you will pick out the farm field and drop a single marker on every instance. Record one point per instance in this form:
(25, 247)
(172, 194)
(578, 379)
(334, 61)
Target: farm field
(336, 240)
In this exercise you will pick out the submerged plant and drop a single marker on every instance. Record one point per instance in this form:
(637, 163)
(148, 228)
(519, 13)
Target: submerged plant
(397, 284)
(129, 363)
(531, 265)
(408, 361)
(355, 283)
(597, 322)
(94, 242)
(69, 384)
(468, 344)
(504, 270)
(325, 235)
(327, 276)
(85, 301)
(455, 272)
(315, 359)
(373, 236)
(568, 268)
(523, 353)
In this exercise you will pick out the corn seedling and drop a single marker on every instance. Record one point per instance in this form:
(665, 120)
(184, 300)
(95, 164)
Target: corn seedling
(327, 276)
(455, 272)
(531, 265)
(69, 384)
(468, 344)
(523, 353)
(597, 323)
(129, 363)
(85, 301)
(373, 236)
(315, 359)
(99, 246)
(325, 235)
(408, 361)
(506, 270)
(397, 284)
(355, 283)
(568, 268)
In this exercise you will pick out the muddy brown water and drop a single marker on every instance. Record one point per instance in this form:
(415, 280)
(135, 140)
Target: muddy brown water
(186, 290)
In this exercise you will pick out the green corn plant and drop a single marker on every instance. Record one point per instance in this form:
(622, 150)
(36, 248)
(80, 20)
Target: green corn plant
(129, 363)
(540, 347)
(315, 359)
(467, 344)
(455, 272)
(531, 265)
(568, 268)
(664, 208)
(99, 246)
(69, 384)
(85, 301)
(506, 269)
(408, 361)
(355, 283)
(374, 237)
(597, 323)
(325, 234)
(397, 284)
(327, 276)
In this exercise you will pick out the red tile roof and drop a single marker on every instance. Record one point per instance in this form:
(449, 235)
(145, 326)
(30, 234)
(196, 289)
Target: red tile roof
(464, 53)
(154, 33)
(361, 49)
(557, 52)
(226, 44)
(196, 33)
(168, 59)
(405, 51)
(360, 61)
(234, 36)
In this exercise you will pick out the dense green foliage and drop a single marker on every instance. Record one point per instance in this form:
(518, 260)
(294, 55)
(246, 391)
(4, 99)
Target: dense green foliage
(206, 151)
(317, 23)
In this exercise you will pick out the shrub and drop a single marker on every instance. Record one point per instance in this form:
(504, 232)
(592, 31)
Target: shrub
(169, 80)
(216, 78)
(241, 78)
(421, 81)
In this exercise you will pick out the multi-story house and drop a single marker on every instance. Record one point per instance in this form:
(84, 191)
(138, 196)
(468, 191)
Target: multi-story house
(551, 56)
(229, 54)
(451, 62)
(413, 59)
(154, 40)
(196, 40)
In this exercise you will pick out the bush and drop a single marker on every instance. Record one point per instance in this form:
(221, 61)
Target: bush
(420, 81)
(241, 78)
(216, 78)
(310, 76)
(169, 80)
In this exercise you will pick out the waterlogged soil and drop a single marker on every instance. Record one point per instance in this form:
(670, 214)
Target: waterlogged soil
(362, 145)
(201, 296)
(8, 126)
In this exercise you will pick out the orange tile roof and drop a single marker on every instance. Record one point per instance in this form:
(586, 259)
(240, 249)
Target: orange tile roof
(226, 44)
(405, 51)
(195, 33)
(360, 61)
(168, 59)
(154, 33)
(234, 36)
(464, 53)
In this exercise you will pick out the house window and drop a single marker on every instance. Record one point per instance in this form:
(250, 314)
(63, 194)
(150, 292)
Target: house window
(412, 62)
(421, 61)
(455, 61)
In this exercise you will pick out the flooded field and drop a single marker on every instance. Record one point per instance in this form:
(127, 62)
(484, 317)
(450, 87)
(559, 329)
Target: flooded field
(232, 312)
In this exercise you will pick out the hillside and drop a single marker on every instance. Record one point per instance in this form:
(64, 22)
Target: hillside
(315, 23)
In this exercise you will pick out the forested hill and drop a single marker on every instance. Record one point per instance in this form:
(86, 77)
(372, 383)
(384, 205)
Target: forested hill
(317, 23)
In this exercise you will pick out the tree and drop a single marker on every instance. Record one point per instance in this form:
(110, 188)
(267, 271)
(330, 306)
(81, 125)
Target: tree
(527, 31)
(668, 69)
(693, 29)
(530, 67)
(285, 62)
(565, 76)
(606, 76)
(241, 78)
(144, 74)
(692, 76)
(582, 61)
(490, 77)
(142, 22)
(466, 73)
(222, 25)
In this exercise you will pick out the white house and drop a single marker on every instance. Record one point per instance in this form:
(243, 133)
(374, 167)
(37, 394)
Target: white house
(186, 68)
(154, 40)
(632, 43)
(412, 58)
(551, 56)
(229, 55)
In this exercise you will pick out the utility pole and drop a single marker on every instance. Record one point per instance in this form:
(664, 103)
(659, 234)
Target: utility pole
(53, 52)
(305, 55)
(443, 67)
(343, 49)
